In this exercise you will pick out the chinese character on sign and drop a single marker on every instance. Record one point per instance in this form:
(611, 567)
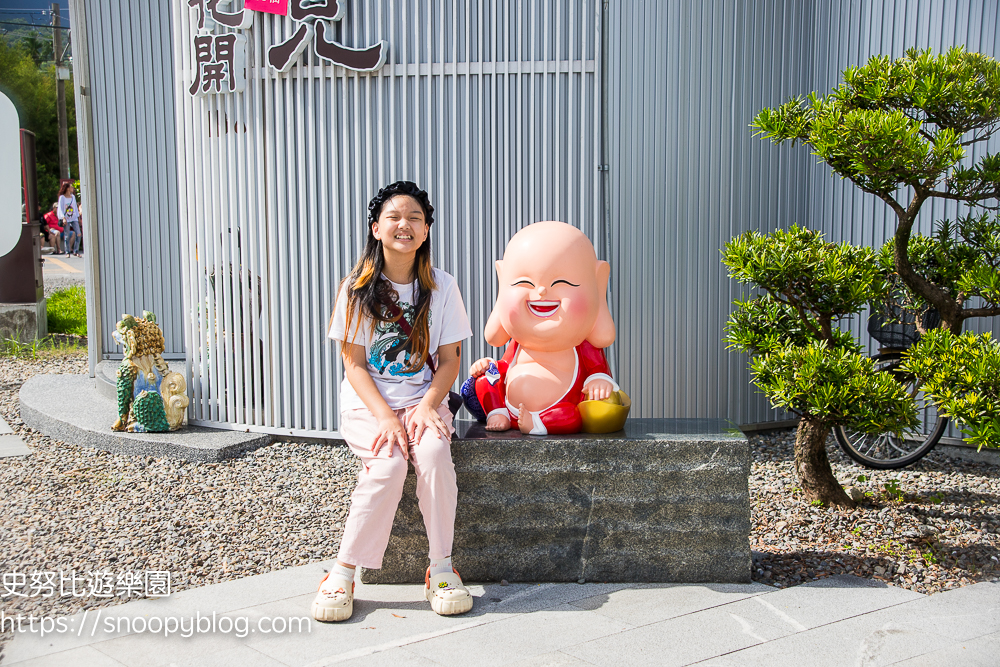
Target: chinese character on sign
(312, 14)
(210, 14)
(157, 583)
(219, 60)
(220, 64)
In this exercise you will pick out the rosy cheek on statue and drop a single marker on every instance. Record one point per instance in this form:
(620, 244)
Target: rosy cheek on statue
(577, 308)
(515, 311)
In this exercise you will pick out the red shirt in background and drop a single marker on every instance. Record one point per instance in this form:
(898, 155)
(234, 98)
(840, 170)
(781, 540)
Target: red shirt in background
(52, 222)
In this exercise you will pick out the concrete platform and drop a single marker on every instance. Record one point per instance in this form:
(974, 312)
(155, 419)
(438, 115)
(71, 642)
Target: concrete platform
(663, 500)
(837, 621)
(70, 408)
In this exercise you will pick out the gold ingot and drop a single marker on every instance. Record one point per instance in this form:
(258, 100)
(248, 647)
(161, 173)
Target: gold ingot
(605, 416)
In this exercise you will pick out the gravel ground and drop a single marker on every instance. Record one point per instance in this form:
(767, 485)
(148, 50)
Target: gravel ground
(73, 509)
(67, 508)
(930, 527)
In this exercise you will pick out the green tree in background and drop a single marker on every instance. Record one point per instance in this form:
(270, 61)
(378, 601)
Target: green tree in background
(39, 48)
(32, 88)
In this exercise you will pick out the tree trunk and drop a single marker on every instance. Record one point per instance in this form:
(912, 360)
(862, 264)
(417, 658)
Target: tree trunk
(949, 309)
(813, 466)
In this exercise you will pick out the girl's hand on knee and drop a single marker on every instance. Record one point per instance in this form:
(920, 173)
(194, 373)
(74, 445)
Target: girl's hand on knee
(424, 418)
(391, 432)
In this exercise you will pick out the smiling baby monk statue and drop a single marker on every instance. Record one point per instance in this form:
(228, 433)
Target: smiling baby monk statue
(552, 309)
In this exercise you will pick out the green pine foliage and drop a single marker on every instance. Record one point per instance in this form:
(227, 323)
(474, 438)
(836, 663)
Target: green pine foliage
(67, 311)
(907, 131)
(904, 122)
(962, 373)
(802, 361)
(961, 256)
(837, 385)
(903, 130)
(810, 283)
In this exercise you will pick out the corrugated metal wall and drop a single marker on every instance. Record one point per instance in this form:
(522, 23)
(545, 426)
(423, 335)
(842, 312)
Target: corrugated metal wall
(135, 177)
(685, 80)
(685, 176)
(493, 107)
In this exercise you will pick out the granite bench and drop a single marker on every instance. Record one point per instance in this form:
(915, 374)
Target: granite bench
(664, 500)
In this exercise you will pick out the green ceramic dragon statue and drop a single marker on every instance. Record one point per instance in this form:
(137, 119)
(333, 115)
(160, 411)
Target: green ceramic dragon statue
(151, 398)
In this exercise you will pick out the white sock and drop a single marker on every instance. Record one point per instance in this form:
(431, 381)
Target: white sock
(340, 577)
(440, 565)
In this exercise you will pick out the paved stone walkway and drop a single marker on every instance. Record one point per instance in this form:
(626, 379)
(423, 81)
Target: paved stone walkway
(837, 621)
(11, 444)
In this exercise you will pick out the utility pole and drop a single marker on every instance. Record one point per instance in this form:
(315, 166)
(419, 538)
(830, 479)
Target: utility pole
(60, 94)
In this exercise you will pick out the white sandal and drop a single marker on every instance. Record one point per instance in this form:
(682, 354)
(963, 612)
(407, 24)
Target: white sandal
(446, 593)
(333, 605)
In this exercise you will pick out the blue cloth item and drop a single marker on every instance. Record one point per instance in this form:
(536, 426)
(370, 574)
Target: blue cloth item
(472, 401)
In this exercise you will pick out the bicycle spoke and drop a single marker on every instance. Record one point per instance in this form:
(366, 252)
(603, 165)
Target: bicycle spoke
(890, 450)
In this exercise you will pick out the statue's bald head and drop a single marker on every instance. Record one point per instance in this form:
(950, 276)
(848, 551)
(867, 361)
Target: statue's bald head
(545, 264)
(552, 239)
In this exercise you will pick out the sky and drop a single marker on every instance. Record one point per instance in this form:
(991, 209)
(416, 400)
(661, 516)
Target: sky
(31, 11)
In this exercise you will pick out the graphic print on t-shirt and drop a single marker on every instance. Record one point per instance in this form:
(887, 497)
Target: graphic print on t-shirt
(390, 342)
(69, 211)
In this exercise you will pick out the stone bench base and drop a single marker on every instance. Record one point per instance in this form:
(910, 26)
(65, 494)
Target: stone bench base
(667, 500)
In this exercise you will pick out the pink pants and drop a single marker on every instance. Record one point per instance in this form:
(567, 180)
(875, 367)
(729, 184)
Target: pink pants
(380, 486)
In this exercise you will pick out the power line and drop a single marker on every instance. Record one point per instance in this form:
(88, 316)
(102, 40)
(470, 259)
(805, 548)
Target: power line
(34, 25)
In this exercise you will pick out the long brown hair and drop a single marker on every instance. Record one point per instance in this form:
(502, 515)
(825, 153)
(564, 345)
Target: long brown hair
(372, 295)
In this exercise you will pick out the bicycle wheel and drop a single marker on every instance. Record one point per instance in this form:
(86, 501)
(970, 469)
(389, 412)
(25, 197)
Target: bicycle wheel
(887, 451)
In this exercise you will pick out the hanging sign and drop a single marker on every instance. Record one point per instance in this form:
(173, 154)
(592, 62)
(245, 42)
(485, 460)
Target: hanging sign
(10, 177)
(279, 7)
(220, 59)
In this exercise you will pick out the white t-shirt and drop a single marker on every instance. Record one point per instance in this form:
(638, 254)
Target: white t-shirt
(387, 361)
(68, 209)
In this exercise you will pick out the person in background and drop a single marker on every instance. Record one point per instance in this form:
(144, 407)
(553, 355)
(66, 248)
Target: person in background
(69, 215)
(52, 229)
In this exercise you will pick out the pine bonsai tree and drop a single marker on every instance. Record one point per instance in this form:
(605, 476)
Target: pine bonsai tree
(801, 360)
(902, 130)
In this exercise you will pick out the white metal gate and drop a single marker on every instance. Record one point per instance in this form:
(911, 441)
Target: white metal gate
(492, 106)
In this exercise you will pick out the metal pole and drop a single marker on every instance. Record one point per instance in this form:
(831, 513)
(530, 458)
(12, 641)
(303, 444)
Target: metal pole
(88, 184)
(60, 95)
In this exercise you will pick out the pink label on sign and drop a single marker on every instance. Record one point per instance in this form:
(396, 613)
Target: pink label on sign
(269, 6)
